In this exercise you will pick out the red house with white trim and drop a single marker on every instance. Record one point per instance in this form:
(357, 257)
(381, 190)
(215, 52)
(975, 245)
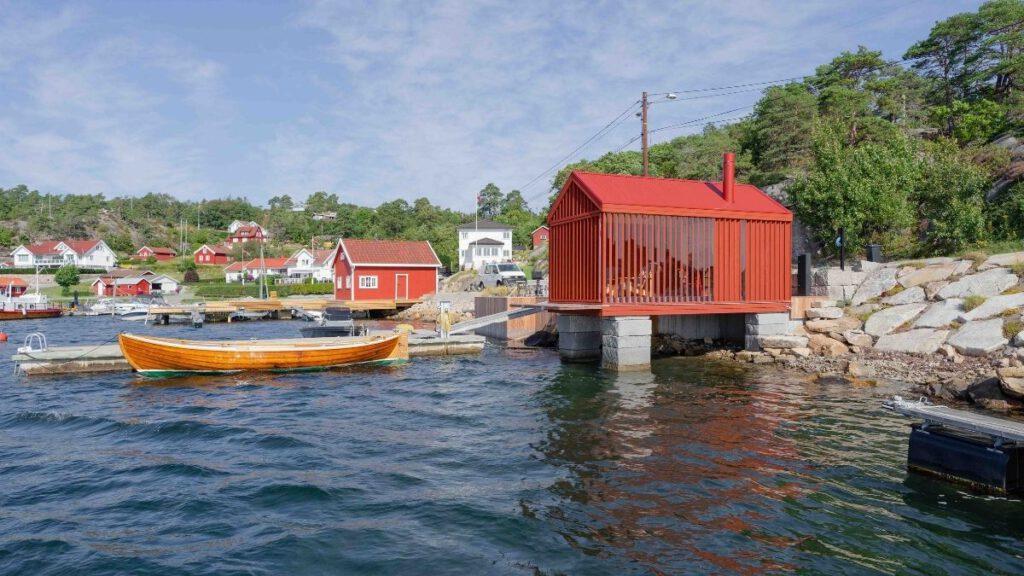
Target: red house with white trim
(211, 254)
(385, 270)
(16, 286)
(540, 236)
(159, 253)
(123, 286)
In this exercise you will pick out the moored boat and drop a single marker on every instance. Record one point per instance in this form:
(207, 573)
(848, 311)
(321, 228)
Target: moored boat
(28, 307)
(159, 357)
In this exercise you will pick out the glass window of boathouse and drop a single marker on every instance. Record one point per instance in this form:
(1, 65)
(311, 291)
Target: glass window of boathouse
(622, 245)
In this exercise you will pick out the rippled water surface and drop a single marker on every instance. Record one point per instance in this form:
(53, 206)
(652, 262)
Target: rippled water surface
(507, 463)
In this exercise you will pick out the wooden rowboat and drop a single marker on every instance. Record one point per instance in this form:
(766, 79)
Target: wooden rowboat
(170, 356)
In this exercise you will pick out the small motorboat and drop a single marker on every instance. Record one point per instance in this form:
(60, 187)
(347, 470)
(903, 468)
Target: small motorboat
(335, 321)
(28, 307)
(243, 314)
(161, 357)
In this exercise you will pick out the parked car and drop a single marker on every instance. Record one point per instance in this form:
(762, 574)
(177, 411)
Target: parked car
(492, 275)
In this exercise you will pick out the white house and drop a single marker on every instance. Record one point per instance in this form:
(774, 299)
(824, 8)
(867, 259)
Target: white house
(316, 263)
(484, 242)
(56, 253)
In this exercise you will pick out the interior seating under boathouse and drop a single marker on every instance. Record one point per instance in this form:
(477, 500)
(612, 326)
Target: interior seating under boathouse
(633, 255)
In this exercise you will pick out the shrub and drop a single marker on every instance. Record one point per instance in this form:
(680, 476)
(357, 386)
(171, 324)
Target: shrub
(973, 301)
(1018, 269)
(1011, 328)
(191, 276)
(185, 265)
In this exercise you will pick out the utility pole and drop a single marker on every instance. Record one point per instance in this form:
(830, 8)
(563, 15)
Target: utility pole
(643, 129)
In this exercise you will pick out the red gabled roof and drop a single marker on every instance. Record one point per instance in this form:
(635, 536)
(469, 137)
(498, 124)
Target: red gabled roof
(271, 262)
(167, 251)
(396, 252)
(11, 281)
(247, 231)
(612, 192)
(50, 246)
(216, 248)
(236, 266)
(81, 246)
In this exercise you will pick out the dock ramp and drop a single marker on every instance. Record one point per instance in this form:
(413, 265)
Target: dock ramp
(470, 325)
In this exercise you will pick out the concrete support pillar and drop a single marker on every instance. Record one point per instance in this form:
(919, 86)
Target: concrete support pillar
(626, 343)
(769, 324)
(579, 337)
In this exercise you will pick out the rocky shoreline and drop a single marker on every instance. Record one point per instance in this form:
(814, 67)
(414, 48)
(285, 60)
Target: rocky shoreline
(949, 328)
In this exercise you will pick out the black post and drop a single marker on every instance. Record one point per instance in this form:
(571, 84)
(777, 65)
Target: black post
(803, 275)
(842, 248)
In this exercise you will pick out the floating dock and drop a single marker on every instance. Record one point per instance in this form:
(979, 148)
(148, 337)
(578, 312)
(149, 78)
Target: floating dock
(982, 451)
(276, 308)
(108, 357)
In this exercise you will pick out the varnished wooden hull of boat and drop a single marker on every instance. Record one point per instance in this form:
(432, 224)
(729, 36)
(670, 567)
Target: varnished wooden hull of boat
(30, 314)
(169, 356)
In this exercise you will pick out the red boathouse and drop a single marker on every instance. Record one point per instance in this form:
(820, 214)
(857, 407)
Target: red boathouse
(640, 246)
(397, 270)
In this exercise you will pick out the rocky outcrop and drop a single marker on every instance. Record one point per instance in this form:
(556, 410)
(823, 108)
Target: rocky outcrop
(889, 319)
(919, 341)
(995, 305)
(979, 338)
(1011, 381)
(988, 283)
(908, 296)
(927, 274)
(940, 314)
(874, 285)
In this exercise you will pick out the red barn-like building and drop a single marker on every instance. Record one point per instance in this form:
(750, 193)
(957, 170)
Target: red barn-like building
(211, 254)
(12, 286)
(124, 286)
(540, 236)
(160, 254)
(638, 246)
(384, 270)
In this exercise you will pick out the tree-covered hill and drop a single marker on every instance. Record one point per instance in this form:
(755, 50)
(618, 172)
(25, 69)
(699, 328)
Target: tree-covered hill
(922, 154)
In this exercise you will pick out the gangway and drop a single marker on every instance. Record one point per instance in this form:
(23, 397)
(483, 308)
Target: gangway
(998, 429)
(470, 325)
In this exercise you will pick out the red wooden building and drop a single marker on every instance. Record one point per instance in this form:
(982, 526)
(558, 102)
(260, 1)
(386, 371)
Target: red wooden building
(121, 286)
(12, 286)
(631, 245)
(158, 253)
(251, 232)
(384, 270)
(211, 254)
(540, 235)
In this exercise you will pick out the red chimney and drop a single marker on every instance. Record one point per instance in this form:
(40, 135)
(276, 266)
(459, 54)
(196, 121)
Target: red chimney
(729, 178)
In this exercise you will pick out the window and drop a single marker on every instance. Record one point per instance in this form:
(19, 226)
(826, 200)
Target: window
(508, 253)
(465, 235)
(348, 281)
(507, 235)
(22, 257)
(367, 281)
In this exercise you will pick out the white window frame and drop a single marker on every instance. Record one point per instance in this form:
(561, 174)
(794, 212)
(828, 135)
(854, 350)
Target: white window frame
(369, 282)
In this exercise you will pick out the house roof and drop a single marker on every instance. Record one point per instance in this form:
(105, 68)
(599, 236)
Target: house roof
(484, 225)
(122, 280)
(6, 281)
(613, 192)
(321, 257)
(544, 226)
(390, 252)
(248, 231)
(216, 248)
(236, 267)
(158, 250)
(271, 262)
(50, 246)
(487, 242)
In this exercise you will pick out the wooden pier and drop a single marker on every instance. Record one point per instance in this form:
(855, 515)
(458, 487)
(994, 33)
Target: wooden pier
(276, 308)
(108, 357)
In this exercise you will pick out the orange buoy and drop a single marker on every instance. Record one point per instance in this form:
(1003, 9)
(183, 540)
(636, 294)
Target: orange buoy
(3, 336)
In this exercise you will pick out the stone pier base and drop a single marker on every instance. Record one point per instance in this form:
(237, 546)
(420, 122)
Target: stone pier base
(579, 337)
(626, 343)
(770, 324)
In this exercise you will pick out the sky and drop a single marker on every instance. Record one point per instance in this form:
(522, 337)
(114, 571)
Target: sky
(381, 100)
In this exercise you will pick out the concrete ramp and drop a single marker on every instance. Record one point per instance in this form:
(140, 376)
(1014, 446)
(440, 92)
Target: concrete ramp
(470, 325)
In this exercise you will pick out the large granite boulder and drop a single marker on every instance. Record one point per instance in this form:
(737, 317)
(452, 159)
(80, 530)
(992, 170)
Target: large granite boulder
(833, 276)
(782, 342)
(919, 341)
(995, 305)
(825, 326)
(877, 283)
(1011, 380)
(979, 337)
(941, 314)
(1008, 259)
(826, 346)
(988, 283)
(927, 274)
(908, 296)
(827, 312)
(858, 338)
(885, 321)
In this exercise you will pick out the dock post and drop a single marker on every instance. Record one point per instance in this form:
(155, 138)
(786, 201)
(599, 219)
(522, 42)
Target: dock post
(626, 343)
(579, 337)
(768, 324)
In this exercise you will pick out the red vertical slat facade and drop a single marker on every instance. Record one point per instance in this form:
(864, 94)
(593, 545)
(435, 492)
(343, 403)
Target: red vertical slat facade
(660, 246)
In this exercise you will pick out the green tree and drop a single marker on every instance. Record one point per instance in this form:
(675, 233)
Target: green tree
(489, 201)
(778, 137)
(865, 189)
(951, 200)
(66, 276)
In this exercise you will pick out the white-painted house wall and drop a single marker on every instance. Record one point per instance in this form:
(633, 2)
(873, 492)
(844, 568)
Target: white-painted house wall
(477, 256)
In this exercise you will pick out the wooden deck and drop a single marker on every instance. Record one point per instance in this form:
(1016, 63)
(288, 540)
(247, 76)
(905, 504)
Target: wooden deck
(279, 305)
